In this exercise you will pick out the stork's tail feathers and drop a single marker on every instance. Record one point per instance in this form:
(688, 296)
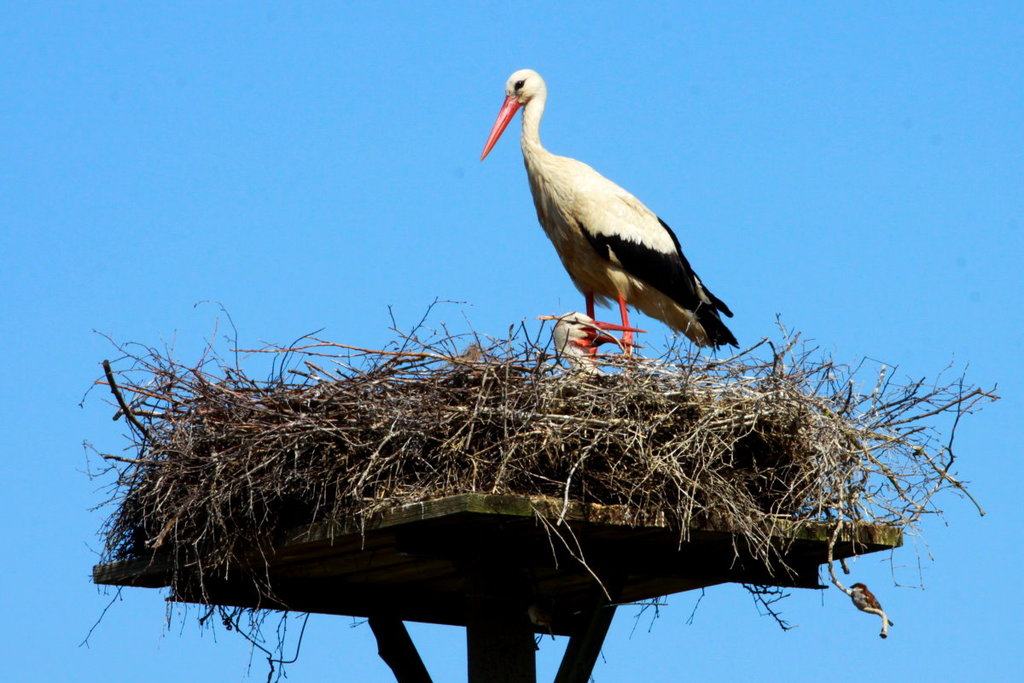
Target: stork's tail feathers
(717, 333)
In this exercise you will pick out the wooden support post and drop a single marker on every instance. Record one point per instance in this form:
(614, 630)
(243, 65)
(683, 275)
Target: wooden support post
(397, 650)
(499, 641)
(499, 636)
(585, 645)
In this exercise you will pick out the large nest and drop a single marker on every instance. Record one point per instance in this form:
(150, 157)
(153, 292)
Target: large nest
(221, 462)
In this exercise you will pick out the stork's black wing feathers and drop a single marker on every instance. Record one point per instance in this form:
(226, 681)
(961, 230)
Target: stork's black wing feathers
(670, 274)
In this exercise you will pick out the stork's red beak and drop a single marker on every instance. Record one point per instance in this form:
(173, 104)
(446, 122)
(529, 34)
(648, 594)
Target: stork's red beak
(508, 110)
(617, 328)
(602, 338)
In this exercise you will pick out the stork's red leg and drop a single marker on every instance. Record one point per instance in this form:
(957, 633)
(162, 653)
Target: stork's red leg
(592, 350)
(627, 337)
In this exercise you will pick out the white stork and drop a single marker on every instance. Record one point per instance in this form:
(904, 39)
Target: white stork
(614, 247)
(578, 336)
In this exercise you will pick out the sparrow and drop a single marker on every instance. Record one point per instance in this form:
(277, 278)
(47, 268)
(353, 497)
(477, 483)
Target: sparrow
(866, 601)
(540, 615)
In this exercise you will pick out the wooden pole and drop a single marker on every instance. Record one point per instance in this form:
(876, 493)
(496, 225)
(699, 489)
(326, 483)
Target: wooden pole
(499, 641)
(397, 650)
(585, 646)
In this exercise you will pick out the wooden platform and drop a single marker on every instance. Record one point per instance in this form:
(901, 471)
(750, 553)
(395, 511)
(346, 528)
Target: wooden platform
(433, 561)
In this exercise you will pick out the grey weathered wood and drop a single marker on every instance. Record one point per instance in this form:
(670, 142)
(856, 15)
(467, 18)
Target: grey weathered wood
(397, 650)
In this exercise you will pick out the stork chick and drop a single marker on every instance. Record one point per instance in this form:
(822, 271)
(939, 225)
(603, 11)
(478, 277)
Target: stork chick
(578, 336)
(866, 601)
(614, 247)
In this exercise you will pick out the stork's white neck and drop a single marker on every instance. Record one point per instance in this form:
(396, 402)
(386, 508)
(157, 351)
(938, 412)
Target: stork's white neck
(532, 113)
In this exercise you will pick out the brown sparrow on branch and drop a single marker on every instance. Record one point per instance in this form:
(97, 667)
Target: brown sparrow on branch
(866, 601)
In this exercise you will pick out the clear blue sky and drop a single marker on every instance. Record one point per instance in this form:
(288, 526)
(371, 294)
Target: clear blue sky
(855, 168)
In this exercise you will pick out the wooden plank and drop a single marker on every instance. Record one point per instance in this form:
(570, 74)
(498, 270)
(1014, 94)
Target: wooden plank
(142, 573)
(651, 588)
(351, 565)
(411, 563)
(470, 504)
(330, 538)
(328, 597)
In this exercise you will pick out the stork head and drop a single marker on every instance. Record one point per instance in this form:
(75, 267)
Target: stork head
(577, 337)
(521, 87)
(524, 85)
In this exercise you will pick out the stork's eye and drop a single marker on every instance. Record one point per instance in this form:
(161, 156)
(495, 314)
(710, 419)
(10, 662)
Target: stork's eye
(519, 85)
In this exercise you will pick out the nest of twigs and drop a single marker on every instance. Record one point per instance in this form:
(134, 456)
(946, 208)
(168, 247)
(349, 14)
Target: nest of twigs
(222, 462)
